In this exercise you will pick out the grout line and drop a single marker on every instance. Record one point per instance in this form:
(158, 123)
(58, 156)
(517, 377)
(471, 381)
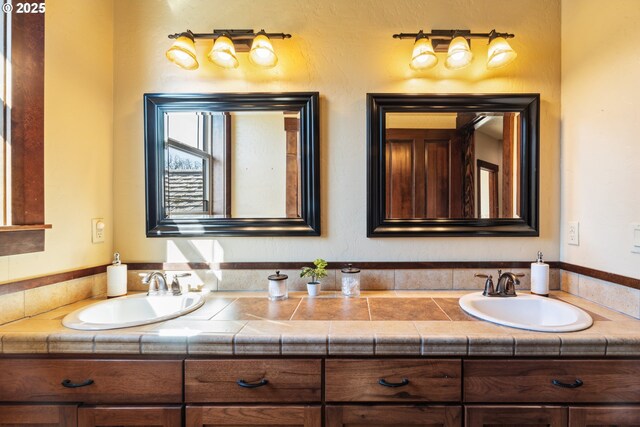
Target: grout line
(369, 309)
(296, 309)
(441, 309)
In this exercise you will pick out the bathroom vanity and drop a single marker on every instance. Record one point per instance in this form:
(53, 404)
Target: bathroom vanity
(236, 372)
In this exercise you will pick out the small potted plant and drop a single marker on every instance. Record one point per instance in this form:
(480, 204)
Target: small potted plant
(317, 273)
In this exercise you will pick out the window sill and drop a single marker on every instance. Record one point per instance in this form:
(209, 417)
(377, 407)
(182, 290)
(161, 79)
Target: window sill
(22, 239)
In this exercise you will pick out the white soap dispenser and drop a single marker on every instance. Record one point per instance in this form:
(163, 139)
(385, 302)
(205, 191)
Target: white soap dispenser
(116, 278)
(540, 277)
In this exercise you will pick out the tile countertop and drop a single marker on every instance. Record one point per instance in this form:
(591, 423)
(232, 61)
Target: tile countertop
(385, 323)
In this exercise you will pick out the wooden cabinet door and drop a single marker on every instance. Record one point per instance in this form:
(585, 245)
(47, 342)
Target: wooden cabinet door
(616, 416)
(431, 416)
(516, 416)
(205, 416)
(38, 415)
(121, 416)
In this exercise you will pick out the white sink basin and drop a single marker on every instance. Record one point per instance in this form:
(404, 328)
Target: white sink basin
(527, 312)
(131, 311)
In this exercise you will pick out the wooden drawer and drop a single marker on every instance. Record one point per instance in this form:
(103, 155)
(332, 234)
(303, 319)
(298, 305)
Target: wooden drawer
(216, 381)
(360, 380)
(502, 381)
(113, 381)
(263, 415)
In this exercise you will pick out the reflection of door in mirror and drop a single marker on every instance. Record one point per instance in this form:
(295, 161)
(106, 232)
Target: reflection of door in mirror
(431, 165)
(232, 164)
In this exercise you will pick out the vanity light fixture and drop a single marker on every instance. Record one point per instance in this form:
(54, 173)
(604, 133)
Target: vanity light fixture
(456, 44)
(225, 45)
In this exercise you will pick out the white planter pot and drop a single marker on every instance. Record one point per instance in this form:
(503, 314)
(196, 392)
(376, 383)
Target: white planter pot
(313, 289)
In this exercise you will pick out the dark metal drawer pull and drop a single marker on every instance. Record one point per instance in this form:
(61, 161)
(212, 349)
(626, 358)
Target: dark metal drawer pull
(577, 383)
(244, 384)
(384, 382)
(69, 384)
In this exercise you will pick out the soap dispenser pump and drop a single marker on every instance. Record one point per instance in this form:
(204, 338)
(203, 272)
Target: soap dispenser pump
(540, 277)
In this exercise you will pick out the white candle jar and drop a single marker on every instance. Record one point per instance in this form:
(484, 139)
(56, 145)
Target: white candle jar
(350, 281)
(278, 287)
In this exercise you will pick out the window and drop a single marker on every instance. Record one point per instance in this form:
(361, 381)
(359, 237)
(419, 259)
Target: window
(22, 197)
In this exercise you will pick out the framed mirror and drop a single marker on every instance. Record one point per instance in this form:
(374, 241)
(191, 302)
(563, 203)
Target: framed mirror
(231, 164)
(452, 165)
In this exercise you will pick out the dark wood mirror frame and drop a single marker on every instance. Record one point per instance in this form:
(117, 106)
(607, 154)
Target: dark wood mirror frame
(528, 105)
(157, 225)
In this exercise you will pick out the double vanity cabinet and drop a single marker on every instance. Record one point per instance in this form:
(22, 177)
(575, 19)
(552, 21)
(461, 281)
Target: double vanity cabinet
(312, 392)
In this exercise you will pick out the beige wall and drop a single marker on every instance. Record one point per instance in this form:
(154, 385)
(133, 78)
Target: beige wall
(600, 149)
(343, 49)
(78, 139)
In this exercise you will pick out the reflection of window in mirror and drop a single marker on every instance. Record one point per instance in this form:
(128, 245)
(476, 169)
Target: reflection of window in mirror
(431, 163)
(237, 164)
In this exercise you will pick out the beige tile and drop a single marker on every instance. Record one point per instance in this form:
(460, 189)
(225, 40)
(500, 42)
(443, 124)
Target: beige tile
(398, 344)
(134, 280)
(620, 298)
(424, 279)
(243, 280)
(389, 327)
(45, 298)
(259, 344)
(76, 342)
(623, 345)
(490, 345)
(206, 343)
(554, 279)
(34, 325)
(34, 342)
(194, 327)
(310, 345)
(163, 344)
(60, 312)
(569, 282)
(100, 284)
(444, 345)
(463, 278)
(212, 306)
(351, 345)
(376, 280)
(578, 344)
(300, 328)
(4, 269)
(80, 289)
(592, 307)
(431, 294)
(117, 343)
(11, 307)
(532, 344)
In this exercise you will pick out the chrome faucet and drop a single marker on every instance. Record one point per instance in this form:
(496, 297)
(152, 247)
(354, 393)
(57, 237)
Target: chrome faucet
(175, 287)
(506, 286)
(157, 282)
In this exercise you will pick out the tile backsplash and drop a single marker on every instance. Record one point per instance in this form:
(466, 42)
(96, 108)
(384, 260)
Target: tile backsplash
(31, 302)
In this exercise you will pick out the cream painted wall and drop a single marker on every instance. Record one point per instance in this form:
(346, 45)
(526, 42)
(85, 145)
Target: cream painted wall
(343, 49)
(78, 139)
(600, 116)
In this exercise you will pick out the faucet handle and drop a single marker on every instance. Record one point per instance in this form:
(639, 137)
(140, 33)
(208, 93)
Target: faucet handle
(176, 289)
(484, 276)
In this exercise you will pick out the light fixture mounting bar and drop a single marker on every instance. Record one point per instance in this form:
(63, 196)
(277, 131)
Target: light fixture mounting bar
(232, 34)
(450, 34)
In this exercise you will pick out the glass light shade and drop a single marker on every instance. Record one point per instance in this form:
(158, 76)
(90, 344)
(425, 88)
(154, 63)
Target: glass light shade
(183, 53)
(500, 53)
(261, 53)
(423, 56)
(223, 53)
(459, 55)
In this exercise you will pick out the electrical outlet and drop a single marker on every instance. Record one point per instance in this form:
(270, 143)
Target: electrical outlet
(635, 243)
(97, 230)
(573, 233)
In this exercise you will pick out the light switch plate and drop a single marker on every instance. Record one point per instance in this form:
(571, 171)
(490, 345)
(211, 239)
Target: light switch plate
(635, 243)
(573, 233)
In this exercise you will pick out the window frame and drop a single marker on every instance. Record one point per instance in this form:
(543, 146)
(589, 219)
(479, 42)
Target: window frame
(25, 233)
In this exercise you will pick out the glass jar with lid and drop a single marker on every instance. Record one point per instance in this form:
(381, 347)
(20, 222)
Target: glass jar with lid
(278, 287)
(350, 281)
